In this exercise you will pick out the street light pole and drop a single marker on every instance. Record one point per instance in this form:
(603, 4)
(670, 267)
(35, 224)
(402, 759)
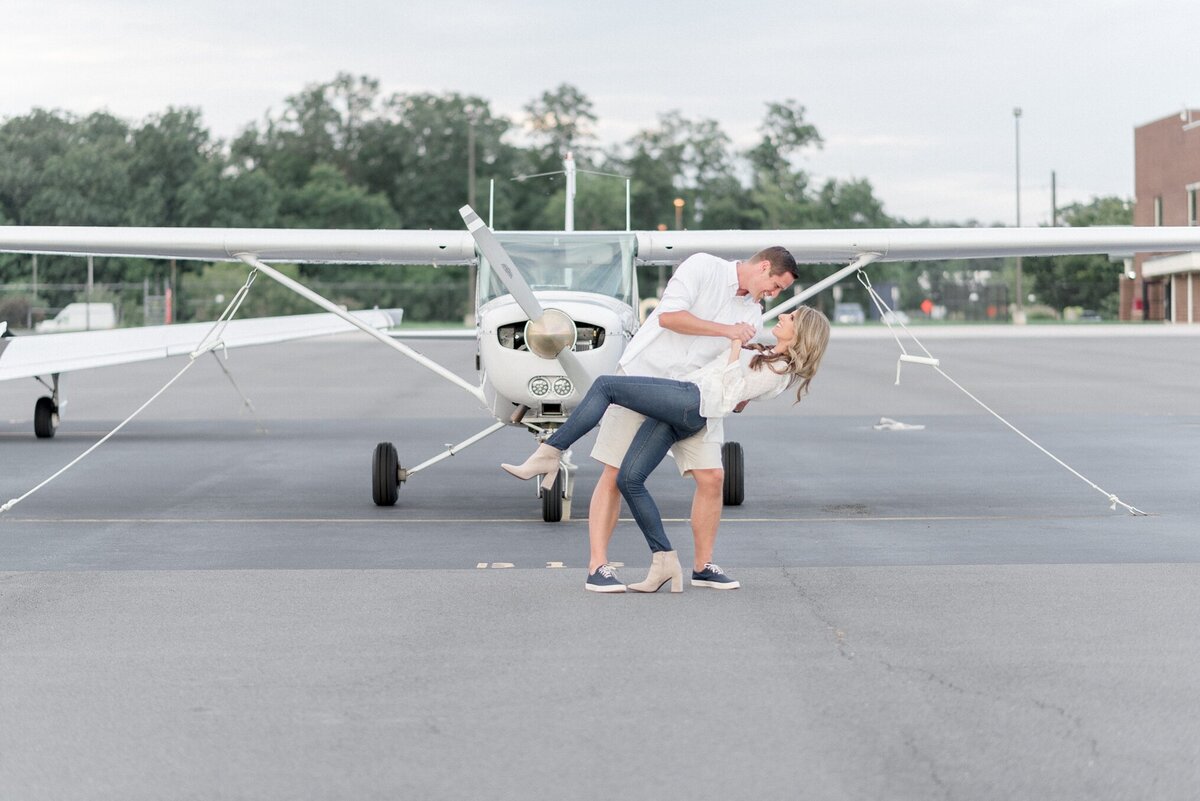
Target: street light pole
(1019, 310)
(472, 276)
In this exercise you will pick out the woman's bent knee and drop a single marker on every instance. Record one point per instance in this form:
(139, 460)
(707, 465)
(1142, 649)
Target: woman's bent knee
(628, 484)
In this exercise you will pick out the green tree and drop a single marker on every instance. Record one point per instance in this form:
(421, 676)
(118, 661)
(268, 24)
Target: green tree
(1087, 281)
(169, 151)
(26, 144)
(780, 189)
(86, 179)
(329, 200)
(678, 158)
(561, 120)
(323, 124)
(419, 157)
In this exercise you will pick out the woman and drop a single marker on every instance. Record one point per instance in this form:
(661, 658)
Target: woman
(678, 409)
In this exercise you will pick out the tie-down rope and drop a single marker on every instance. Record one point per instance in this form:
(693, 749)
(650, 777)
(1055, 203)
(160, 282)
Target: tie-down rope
(210, 343)
(886, 314)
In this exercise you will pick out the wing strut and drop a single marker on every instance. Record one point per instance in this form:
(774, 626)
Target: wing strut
(862, 261)
(305, 292)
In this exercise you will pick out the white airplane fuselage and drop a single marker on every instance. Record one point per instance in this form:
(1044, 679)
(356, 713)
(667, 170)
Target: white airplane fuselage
(513, 376)
(588, 277)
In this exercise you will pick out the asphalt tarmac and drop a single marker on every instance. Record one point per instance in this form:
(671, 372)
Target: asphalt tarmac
(210, 606)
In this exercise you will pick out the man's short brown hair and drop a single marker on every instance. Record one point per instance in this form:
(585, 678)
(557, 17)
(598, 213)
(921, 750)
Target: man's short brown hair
(781, 260)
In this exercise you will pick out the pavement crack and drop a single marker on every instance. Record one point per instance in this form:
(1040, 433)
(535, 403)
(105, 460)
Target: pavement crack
(920, 757)
(815, 609)
(1076, 724)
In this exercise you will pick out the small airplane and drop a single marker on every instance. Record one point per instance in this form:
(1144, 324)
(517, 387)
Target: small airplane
(553, 308)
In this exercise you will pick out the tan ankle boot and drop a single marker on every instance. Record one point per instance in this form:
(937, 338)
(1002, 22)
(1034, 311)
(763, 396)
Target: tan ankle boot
(664, 567)
(544, 461)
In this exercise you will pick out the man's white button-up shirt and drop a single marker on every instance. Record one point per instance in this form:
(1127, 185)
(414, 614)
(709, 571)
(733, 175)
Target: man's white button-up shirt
(705, 286)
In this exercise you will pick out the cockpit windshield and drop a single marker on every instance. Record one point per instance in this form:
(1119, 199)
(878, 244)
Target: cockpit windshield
(601, 263)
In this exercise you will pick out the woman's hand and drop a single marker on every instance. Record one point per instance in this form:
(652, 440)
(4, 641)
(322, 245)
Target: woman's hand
(741, 331)
(735, 350)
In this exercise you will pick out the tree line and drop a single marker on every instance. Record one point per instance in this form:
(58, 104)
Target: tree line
(343, 154)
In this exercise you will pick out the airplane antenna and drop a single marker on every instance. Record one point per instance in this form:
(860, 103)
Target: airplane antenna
(491, 203)
(571, 172)
(569, 169)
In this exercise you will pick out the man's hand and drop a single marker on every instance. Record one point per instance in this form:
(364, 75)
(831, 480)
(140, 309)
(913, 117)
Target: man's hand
(743, 331)
(684, 322)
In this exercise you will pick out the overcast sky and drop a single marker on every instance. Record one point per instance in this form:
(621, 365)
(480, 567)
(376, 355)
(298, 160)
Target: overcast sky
(915, 96)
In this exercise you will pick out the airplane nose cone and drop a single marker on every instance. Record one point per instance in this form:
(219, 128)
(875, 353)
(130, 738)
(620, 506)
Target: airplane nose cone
(548, 335)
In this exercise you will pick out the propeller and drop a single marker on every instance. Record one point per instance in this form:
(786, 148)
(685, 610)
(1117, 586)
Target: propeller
(550, 333)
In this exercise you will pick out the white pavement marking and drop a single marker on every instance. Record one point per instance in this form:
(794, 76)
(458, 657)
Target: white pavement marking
(576, 521)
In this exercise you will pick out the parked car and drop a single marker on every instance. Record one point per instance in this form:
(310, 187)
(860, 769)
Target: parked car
(80, 317)
(849, 314)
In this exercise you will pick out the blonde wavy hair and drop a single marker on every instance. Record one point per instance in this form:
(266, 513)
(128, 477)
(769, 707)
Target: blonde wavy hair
(803, 356)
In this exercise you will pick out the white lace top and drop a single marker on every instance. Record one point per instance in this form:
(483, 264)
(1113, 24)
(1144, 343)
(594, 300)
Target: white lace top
(724, 384)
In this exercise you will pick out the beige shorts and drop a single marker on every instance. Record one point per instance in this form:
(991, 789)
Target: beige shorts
(619, 426)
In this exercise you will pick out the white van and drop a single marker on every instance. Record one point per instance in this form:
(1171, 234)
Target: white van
(80, 317)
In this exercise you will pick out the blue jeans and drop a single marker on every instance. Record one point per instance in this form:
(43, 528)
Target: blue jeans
(672, 410)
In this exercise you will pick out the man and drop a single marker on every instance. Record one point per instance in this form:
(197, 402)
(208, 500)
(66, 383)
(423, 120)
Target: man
(708, 302)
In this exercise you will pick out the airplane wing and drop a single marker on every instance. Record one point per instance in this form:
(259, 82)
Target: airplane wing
(654, 247)
(287, 245)
(47, 354)
(919, 244)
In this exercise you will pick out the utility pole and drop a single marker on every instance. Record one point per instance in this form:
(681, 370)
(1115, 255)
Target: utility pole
(469, 317)
(1018, 309)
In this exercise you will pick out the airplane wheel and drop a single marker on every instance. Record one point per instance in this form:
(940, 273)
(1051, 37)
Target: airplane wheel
(735, 485)
(552, 502)
(45, 418)
(385, 475)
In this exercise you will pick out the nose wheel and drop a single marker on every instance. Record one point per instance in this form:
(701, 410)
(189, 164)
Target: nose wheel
(556, 501)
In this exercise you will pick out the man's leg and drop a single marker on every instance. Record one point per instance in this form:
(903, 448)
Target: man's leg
(603, 510)
(612, 440)
(706, 513)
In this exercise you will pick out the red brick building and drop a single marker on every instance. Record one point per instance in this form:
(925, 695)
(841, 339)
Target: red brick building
(1167, 192)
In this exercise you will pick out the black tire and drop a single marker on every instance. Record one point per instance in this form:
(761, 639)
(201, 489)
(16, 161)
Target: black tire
(385, 475)
(552, 501)
(45, 417)
(735, 483)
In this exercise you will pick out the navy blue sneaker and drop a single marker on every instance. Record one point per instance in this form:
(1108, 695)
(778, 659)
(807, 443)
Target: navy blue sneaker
(604, 580)
(713, 576)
